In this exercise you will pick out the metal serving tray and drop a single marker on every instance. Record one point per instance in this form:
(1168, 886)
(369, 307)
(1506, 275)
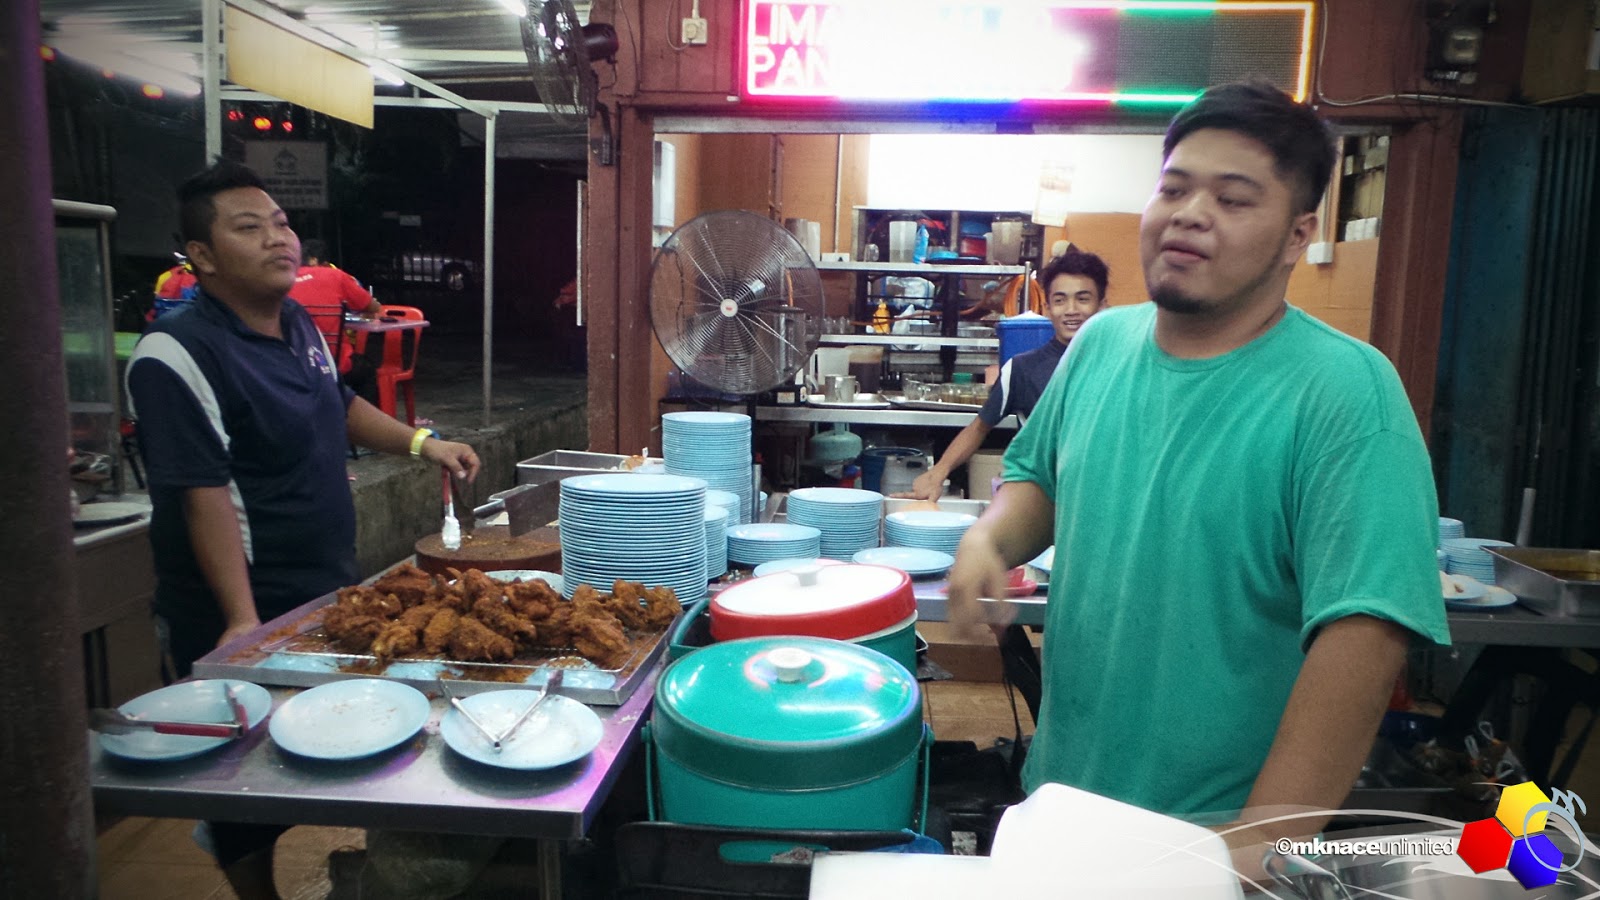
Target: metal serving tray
(1554, 581)
(292, 650)
(558, 464)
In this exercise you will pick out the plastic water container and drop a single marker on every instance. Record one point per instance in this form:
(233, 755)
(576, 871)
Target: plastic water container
(1022, 333)
(872, 461)
(900, 473)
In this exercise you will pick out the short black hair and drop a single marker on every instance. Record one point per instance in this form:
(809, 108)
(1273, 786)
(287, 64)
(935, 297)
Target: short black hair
(196, 211)
(1299, 140)
(1073, 261)
(313, 248)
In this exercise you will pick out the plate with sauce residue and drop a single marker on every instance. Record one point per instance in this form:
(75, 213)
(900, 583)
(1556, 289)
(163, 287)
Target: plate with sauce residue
(349, 719)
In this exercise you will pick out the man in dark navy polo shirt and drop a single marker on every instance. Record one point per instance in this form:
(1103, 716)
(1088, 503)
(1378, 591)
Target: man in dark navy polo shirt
(1076, 288)
(244, 427)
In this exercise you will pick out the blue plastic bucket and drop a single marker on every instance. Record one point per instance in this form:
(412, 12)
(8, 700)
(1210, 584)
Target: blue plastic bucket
(1022, 333)
(872, 460)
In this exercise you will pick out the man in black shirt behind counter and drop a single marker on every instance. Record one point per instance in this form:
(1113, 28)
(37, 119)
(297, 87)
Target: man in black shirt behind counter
(1075, 283)
(245, 426)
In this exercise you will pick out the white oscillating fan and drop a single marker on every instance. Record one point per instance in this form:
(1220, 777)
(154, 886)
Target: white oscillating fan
(735, 301)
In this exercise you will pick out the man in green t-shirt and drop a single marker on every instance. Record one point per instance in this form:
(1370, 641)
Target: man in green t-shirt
(1241, 502)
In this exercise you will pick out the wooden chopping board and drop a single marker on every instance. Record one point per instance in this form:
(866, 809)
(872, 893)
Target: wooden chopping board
(492, 548)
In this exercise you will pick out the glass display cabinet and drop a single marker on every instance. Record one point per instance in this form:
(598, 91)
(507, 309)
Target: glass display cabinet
(83, 267)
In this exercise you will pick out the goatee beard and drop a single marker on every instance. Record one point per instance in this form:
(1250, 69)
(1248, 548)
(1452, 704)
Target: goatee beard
(1175, 301)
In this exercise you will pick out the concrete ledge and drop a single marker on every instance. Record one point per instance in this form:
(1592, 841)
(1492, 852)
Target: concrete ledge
(399, 500)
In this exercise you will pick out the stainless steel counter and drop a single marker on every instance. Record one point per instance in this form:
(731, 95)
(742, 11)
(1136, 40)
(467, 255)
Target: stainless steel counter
(1514, 626)
(924, 417)
(421, 785)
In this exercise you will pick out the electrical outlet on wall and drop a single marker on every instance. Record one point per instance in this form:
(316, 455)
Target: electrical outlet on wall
(694, 31)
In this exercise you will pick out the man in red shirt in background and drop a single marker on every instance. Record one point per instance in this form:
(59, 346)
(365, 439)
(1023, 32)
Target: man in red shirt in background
(326, 292)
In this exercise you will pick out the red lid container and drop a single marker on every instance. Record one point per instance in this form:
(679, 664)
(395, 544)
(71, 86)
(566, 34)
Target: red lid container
(843, 602)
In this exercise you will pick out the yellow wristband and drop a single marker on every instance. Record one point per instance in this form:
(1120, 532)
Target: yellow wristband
(417, 439)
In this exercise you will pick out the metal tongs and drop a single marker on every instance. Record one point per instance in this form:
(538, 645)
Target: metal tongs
(552, 684)
(444, 688)
(112, 721)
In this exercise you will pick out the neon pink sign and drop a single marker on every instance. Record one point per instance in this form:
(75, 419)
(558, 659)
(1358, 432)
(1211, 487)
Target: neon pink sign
(1007, 51)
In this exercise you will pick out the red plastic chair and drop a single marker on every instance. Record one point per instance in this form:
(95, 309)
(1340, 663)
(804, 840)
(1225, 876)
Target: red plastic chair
(397, 369)
(330, 321)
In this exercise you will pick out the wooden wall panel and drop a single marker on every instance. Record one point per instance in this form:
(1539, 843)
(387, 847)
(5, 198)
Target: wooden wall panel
(808, 178)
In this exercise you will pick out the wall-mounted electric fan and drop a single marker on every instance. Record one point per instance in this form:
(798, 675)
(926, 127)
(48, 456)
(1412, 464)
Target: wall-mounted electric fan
(561, 56)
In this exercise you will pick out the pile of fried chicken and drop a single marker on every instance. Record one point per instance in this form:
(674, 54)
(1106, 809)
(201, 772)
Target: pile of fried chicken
(475, 618)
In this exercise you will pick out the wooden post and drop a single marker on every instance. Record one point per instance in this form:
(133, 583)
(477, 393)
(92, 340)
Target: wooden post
(46, 819)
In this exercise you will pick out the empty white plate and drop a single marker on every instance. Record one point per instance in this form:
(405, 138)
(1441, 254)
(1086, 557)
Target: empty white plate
(186, 701)
(914, 561)
(559, 732)
(555, 581)
(1493, 598)
(784, 565)
(349, 719)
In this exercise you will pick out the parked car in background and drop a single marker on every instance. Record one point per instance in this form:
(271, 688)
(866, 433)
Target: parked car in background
(420, 267)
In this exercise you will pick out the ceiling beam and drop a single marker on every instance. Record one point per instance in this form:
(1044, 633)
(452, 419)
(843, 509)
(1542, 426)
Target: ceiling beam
(242, 95)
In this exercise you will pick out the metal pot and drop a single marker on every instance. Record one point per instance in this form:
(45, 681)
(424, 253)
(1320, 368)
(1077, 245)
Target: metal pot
(787, 733)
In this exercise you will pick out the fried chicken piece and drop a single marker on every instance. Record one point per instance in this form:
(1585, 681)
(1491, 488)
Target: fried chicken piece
(368, 600)
(351, 628)
(493, 612)
(556, 629)
(396, 639)
(661, 606)
(600, 638)
(532, 599)
(474, 586)
(473, 641)
(436, 635)
(418, 617)
(407, 582)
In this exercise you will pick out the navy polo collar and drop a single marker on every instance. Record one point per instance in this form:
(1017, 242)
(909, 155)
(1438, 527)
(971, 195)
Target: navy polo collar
(217, 311)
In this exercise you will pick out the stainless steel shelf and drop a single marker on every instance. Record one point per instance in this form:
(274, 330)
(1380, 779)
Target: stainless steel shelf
(929, 418)
(906, 268)
(909, 340)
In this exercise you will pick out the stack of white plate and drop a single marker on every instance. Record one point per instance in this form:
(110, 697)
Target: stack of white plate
(715, 447)
(847, 518)
(1450, 529)
(928, 529)
(728, 500)
(1467, 557)
(753, 544)
(645, 528)
(716, 542)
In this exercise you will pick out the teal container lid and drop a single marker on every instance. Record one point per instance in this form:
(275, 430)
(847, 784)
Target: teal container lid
(787, 712)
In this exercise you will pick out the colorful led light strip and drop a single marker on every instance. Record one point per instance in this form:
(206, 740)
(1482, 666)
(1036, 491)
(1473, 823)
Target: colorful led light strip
(762, 67)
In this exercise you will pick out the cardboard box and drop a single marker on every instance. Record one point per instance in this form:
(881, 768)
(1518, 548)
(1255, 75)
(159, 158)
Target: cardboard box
(974, 659)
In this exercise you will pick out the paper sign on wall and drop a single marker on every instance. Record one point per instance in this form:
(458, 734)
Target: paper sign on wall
(296, 172)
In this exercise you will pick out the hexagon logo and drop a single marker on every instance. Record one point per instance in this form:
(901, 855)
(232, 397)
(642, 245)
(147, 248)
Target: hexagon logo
(1485, 845)
(1515, 802)
(1514, 839)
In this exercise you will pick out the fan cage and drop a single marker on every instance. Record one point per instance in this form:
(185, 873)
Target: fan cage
(736, 302)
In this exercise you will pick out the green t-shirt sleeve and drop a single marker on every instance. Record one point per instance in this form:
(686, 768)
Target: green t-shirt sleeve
(1366, 530)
